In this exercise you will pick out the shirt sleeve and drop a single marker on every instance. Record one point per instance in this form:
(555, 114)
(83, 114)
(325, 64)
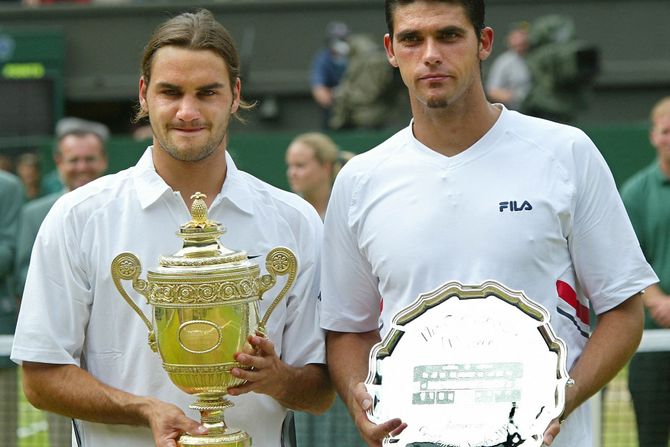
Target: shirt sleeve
(318, 74)
(606, 254)
(350, 296)
(303, 340)
(495, 78)
(57, 298)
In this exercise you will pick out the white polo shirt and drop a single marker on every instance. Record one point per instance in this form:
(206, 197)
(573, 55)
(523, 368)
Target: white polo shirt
(73, 314)
(532, 205)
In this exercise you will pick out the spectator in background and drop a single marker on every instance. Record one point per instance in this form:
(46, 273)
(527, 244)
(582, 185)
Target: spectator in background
(29, 171)
(12, 196)
(313, 160)
(6, 163)
(328, 67)
(647, 199)
(366, 92)
(52, 181)
(80, 157)
(562, 67)
(509, 78)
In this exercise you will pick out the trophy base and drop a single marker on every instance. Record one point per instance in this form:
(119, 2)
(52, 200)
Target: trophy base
(230, 438)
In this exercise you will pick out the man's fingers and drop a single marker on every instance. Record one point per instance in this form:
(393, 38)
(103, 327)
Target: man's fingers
(551, 432)
(240, 389)
(362, 396)
(399, 430)
(262, 344)
(380, 431)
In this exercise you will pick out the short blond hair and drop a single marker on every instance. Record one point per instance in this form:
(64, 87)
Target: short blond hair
(325, 150)
(662, 108)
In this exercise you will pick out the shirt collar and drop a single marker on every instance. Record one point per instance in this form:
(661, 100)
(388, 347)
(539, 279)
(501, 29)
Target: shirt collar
(151, 186)
(660, 175)
(148, 184)
(236, 188)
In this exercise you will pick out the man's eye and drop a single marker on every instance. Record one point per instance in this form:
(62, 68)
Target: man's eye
(207, 93)
(449, 36)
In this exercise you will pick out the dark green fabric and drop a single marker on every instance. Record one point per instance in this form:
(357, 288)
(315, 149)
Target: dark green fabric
(12, 196)
(646, 196)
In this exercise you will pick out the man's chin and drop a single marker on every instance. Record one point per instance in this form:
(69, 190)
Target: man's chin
(437, 103)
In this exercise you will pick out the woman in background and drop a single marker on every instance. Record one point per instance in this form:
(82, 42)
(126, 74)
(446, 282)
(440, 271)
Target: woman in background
(313, 160)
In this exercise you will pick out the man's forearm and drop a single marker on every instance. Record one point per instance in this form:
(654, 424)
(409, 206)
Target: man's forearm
(613, 342)
(652, 295)
(348, 363)
(73, 392)
(308, 389)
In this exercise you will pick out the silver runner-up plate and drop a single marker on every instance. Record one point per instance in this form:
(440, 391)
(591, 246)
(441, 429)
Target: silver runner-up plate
(469, 366)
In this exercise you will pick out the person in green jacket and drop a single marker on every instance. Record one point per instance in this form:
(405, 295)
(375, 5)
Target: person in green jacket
(80, 157)
(12, 196)
(647, 199)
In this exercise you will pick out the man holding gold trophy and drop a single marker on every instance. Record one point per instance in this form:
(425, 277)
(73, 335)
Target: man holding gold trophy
(472, 200)
(84, 350)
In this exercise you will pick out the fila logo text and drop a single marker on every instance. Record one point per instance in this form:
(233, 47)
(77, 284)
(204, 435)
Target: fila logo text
(513, 206)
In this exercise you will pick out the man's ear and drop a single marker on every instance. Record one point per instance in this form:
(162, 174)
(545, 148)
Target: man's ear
(143, 94)
(485, 43)
(237, 89)
(390, 54)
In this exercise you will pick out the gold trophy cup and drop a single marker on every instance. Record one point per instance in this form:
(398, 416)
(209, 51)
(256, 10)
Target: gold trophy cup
(205, 305)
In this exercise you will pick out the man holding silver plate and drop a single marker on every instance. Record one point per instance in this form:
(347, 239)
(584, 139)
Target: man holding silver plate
(84, 350)
(462, 255)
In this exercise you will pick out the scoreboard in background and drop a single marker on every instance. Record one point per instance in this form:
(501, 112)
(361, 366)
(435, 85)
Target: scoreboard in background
(31, 84)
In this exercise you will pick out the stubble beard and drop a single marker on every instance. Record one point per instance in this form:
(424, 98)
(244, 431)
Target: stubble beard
(437, 103)
(190, 155)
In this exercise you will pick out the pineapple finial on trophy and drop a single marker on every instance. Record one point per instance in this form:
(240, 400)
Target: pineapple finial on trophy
(198, 212)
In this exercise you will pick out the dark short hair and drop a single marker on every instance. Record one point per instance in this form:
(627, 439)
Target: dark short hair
(474, 9)
(197, 30)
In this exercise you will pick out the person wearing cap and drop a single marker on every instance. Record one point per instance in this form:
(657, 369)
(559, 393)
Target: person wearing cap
(80, 157)
(509, 78)
(328, 67)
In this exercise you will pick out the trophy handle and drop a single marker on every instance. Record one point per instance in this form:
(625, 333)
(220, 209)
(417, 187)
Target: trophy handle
(126, 266)
(279, 261)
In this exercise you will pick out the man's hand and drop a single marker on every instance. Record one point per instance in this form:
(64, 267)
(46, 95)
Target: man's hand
(659, 310)
(372, 433)
(551, 432)
(269, 373)
(168, 423)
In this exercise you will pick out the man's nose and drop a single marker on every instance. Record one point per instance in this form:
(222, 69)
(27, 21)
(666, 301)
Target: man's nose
(189, 108)
(431, 54)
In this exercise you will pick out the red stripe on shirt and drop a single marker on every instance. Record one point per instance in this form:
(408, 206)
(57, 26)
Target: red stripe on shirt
(568, 294)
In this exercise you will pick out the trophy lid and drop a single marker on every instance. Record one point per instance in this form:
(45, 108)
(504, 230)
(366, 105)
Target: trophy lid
(202, 248)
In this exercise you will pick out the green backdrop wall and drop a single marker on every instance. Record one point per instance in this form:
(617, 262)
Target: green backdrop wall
(625, 148)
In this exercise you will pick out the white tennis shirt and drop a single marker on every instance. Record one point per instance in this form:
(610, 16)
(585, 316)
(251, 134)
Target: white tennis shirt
(531, 205)
(73, 314)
